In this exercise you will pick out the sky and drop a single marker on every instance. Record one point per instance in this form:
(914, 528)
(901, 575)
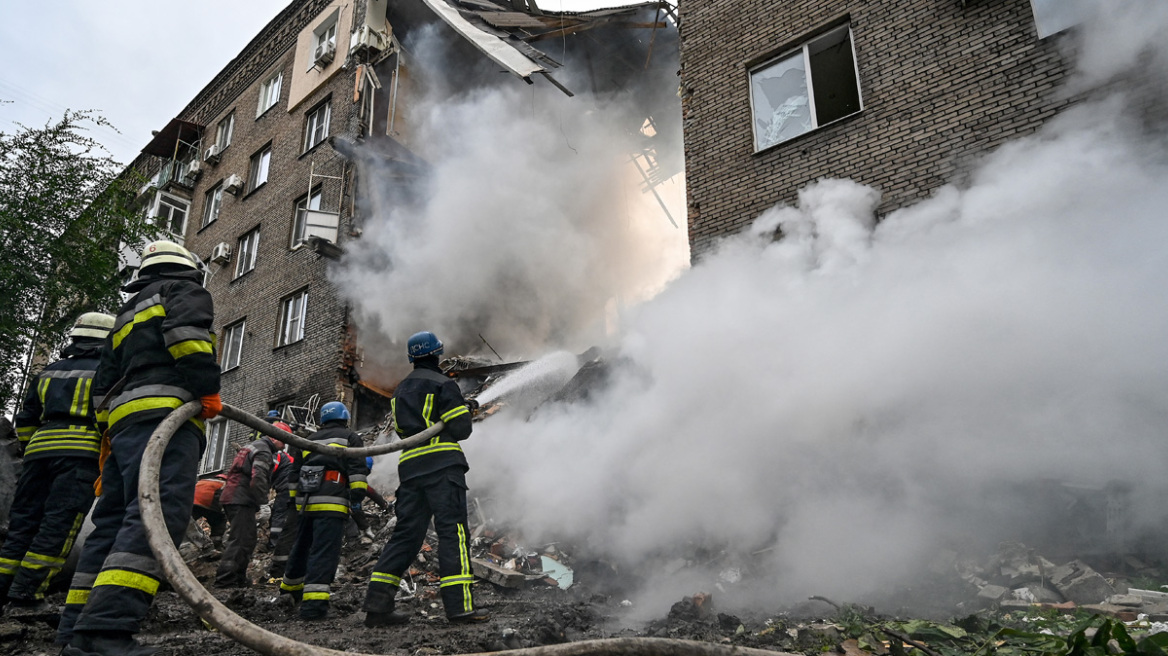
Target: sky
(137, 62)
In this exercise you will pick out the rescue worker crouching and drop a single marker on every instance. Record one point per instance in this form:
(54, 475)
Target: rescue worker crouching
(248, 481)
(433, 485)
(326, 487)
(59, 437)
(159, 356)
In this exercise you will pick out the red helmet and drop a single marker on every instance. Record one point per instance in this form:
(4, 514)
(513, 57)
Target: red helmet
(282, 426)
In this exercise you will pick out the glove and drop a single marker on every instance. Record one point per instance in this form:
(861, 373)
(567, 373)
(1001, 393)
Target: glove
(472, 405)
(212, 406)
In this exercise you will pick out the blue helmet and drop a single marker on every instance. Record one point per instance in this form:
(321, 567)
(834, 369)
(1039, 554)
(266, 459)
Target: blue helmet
(369, 462)
(334, 411)
(422, 344)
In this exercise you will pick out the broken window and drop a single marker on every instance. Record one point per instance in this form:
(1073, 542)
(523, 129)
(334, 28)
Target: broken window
(1054, 16)
(802, 90)
(224, 131)
(300, 221)
(212, 202)
(257, 173)
(172, 216)
(248, 246)
(292, 312)
(269, 93)
(233, 344)
(215, 457)
(317, 126)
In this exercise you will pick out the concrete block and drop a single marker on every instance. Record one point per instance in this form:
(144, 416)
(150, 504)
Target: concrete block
(1079, 583)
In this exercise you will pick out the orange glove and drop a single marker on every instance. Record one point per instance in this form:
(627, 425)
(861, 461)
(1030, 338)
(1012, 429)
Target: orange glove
(212, 406)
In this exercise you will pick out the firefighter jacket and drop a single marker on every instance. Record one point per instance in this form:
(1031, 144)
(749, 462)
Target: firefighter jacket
(422, 399)
(160, 354)
(208, 491)
(58, 417)
(282, 473)
(325, 483)
(249, 475)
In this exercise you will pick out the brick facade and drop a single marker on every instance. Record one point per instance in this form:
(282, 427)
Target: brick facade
(268, 374)
(942, 82)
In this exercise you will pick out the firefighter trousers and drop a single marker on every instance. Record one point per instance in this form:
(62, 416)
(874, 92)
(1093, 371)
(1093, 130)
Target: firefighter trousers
(51, 501)
(282, 507)
(238, 547)
(313, 561)
(441, 496)
(117, 576)
(287, 539)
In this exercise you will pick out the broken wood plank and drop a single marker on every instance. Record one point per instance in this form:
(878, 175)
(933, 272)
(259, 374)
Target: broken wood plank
(489, 571)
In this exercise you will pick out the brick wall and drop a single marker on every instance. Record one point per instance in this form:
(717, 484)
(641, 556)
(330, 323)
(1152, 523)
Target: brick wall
(941, 84)
(268, 373)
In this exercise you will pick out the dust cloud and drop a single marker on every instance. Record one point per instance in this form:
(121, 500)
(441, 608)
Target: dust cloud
(838, 405)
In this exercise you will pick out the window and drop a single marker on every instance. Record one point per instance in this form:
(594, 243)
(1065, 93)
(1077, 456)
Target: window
(1054, 16)
(269, 93)
(292, 310)
(317, 126)
(234, 344)
(806, 89)
(212, 204)
(299, 223)
(258, 173)
(248, 246)
(172, 215)
(223, 134)
(215, 457)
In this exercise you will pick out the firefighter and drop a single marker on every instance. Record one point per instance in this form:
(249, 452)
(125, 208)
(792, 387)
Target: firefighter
(282, 502)
(326, 486)
(159, 356)
(248, 482)
(208, 507)
(433, 485)
(58, 435)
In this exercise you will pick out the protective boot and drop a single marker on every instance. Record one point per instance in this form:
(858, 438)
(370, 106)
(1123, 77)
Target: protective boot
(106, 644)
(476, 615)
(388, 617)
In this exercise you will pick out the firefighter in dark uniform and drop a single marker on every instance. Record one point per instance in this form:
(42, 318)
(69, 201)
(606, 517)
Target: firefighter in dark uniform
(326, 486)
(159, 356)
(282, 501)
(58, 435)
(248, 483)
(433, 484)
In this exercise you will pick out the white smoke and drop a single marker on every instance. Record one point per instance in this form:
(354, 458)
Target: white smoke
(851, 397)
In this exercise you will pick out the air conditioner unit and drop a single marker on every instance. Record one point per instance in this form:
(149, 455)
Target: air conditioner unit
(324, 54)
(212, 154)
(221, 253)
(194, 169)
(233, 184)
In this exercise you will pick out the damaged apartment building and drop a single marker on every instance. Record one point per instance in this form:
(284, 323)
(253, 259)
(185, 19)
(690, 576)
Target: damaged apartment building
(259, 174)
(901, 95)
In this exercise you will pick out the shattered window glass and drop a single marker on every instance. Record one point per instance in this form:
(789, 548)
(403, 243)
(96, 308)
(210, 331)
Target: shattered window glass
(780, 98)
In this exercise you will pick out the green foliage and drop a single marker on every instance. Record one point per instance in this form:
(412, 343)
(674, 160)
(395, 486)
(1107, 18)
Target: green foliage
(65, 207)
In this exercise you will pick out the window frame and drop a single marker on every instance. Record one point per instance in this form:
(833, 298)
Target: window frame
(218, 439)
(1053, 17)
(288, 305)
(803, 49)
(173, 202)
(300, 216)
(312, 123)
(275, 81)
(247, 256)
(224, 141)
(229, 334)
(261, 161)
(213, 198)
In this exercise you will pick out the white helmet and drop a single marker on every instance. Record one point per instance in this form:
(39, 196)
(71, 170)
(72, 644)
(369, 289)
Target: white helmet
(92, 324)
(167, 252)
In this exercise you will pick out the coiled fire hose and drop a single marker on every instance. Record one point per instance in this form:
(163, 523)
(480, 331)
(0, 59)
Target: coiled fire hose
(265, 642)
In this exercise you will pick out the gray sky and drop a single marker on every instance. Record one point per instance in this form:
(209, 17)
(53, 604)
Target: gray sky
(138, 62)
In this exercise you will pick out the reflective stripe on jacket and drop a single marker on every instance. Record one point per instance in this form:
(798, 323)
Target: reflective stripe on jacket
(162, 347)
(337, 493)
(58, 418)
(421, 400)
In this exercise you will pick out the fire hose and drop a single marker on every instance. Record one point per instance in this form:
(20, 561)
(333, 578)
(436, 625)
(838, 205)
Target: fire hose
(265, 642)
